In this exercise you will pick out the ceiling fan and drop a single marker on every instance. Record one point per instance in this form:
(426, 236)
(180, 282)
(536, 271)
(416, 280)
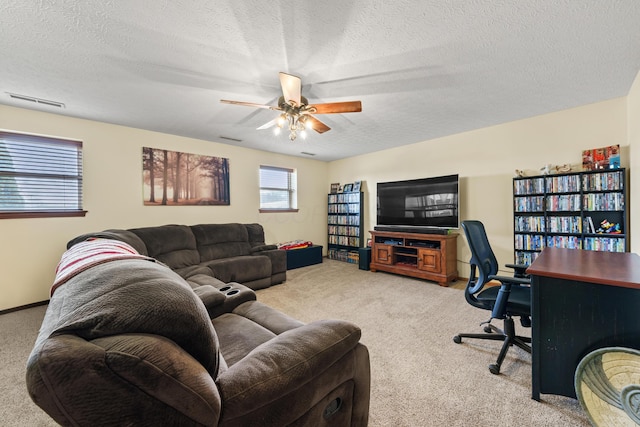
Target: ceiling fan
(297, 113)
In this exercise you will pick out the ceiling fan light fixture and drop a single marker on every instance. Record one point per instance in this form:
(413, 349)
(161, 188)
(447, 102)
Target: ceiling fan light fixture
(296, 113)
(293, 123)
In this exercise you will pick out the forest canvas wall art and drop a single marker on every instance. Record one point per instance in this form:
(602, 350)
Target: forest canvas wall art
(172, 178)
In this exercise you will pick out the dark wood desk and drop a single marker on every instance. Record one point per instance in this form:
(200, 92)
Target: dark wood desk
(580, 301)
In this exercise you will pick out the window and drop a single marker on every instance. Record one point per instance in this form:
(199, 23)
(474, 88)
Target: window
(39, 176)
(278, 189)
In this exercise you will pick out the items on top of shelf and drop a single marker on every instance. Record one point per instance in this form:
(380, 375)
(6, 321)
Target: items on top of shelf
(547, 169)
(352, 187)
(593, 159)
(601, 158)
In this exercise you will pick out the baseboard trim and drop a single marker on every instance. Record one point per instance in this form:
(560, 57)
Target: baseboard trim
(24, 307)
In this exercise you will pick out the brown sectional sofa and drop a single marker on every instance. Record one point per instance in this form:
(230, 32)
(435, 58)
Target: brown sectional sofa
(130, 341)
(229, 252)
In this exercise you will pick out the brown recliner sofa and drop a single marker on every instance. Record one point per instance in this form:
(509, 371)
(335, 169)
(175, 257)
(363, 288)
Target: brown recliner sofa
(229, 252)
(128, 342)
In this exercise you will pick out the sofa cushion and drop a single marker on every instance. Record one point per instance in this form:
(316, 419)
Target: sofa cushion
(267, 317)
(216, 241)
(240, 269)
(173, 245)
(256, 238)
(193, 270)
(256, 234)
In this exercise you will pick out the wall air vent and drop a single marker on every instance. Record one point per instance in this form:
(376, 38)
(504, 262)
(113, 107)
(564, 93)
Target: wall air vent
(36, 100)
(230, 139)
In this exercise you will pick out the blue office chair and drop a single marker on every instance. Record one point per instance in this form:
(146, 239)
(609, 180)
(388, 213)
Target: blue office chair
(511, 299)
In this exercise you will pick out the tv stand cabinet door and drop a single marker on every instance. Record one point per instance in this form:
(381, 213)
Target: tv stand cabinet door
(429, 260)
(382, 254)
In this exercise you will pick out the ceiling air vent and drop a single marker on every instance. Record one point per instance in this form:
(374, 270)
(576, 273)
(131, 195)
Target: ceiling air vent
(307, 154)
(230, 139)
(36, 100)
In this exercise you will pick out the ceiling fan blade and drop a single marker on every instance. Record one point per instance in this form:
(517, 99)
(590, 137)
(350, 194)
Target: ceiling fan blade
(268, 124)
(338, 107)
(250, 104)
(317, 125)
(291, 87)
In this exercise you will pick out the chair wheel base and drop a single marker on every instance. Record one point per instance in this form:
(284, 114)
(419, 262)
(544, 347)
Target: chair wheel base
(457, 339)
(494, 369)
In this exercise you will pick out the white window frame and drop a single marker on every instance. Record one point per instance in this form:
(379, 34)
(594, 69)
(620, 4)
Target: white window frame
(40, 176)
(290, 189)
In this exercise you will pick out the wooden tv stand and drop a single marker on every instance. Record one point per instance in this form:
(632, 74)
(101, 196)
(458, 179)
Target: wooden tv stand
(425, 256)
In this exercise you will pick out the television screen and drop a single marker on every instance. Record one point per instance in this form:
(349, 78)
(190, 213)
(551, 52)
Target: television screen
(426, 202)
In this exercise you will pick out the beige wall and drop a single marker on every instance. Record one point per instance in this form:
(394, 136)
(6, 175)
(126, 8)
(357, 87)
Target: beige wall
(633, 125)
(486, 159)
(31, 248)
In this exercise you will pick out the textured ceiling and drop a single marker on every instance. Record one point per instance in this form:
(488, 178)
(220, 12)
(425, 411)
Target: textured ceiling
(422, 68)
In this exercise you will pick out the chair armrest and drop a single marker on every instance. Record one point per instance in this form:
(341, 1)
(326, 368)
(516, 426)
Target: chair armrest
(519, 269)
(511, 280)
(502, 298)
(284, 364)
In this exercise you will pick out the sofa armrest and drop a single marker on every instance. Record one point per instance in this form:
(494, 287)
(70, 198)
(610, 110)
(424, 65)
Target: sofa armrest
(128, 379)
(262, 248)
(278, 259)
(219, 297)
(284, 364)
(210, 296)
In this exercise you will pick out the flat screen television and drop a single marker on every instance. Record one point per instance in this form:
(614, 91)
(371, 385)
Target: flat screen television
(420, 203)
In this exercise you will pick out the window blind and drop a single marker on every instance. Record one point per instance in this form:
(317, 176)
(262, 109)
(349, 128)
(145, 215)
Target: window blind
(39, 176)
(277, 188)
